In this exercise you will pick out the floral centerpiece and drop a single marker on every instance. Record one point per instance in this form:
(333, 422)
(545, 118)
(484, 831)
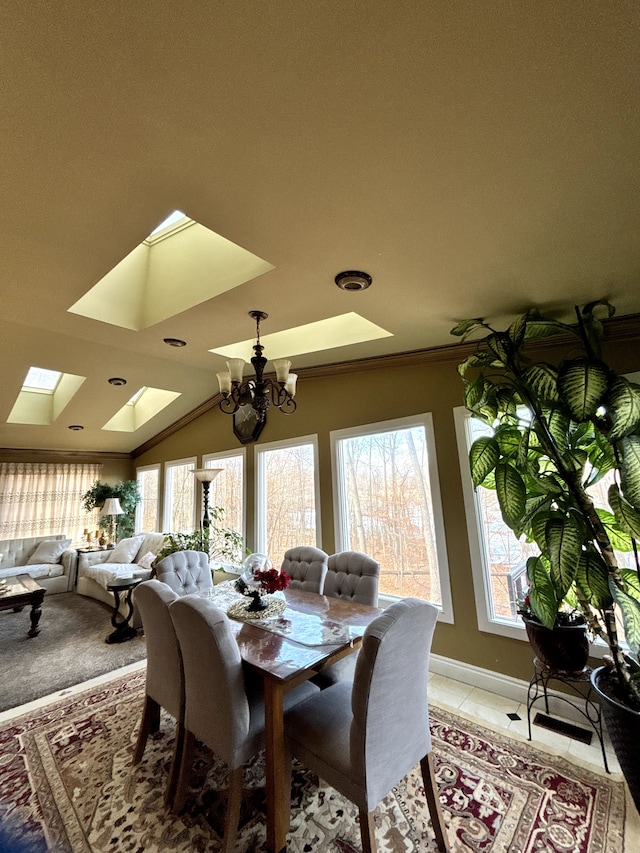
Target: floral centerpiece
(258, 579)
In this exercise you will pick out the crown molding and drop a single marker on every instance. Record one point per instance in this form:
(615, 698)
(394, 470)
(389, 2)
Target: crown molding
(20, 454)
(617, 329)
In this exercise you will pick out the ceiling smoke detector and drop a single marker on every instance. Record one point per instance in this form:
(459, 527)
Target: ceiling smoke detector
(117, 380)
(76, 427)
(353, 280)
(174, 342)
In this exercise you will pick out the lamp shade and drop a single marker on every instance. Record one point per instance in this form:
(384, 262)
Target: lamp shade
(206, 475)
(111, 507)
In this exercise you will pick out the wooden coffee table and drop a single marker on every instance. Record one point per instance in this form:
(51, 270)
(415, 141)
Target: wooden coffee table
(22, 590)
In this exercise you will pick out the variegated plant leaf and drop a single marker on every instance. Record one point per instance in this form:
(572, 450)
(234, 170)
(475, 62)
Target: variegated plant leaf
(539, 327)
(582, 385)
(466, 326)
(623, 407)
(511, 493)
(558, 425)
(476, 359)
(473, 392)
(627, 518)
(592, 576)
(542, 379)
(630, 469)
(620, 541)
(483, 458)
(542, 595)
(630, 610)
(563, 550)
(631, 582)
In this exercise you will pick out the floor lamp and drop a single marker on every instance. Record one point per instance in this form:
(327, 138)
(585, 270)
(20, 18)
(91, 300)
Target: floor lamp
(206, 477)
(112, 508)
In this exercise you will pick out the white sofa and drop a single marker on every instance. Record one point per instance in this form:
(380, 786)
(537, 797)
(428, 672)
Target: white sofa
(96, 569)
(49, 560)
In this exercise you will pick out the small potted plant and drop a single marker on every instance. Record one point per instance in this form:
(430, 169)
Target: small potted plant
(558, 429)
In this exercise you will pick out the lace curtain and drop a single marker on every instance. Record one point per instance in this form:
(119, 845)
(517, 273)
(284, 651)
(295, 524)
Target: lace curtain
(37, 499)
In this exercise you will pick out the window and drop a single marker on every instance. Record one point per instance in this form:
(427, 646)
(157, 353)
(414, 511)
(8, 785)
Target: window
(148, 479)
(228, 489)
(179, 496)
(387, 504)
(287, 502)
(37, 499)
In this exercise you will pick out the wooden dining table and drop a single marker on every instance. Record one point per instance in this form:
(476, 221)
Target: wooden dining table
(284, 655)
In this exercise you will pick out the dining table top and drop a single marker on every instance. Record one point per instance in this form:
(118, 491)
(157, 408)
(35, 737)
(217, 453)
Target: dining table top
(307, 633)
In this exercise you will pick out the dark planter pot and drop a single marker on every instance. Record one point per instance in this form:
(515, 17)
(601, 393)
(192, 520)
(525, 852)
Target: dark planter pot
(623, 725)
(564, 647)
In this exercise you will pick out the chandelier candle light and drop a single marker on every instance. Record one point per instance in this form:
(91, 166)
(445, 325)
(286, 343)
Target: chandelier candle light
(112, 508)
(259, 392)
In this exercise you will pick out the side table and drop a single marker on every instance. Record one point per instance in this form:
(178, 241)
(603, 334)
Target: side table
(579, 683)
(123, 630)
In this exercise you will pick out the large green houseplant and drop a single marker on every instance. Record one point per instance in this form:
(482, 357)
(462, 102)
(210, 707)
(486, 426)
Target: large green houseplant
(557, 430)
(223, 545)
(127, 492)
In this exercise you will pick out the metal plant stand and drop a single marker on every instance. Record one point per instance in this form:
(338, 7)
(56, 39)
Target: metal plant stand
(580, 684)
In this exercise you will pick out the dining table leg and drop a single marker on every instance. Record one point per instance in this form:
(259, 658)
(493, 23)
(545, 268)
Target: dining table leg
(277, 779)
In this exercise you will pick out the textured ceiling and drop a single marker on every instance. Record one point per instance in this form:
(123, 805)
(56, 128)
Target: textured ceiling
(474, 158)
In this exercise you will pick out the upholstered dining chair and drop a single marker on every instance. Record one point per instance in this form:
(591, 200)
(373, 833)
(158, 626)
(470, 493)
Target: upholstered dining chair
(164, 682)
(351, 576)
(306, 566)
(222, 710)
(363, 738)
(186, 572)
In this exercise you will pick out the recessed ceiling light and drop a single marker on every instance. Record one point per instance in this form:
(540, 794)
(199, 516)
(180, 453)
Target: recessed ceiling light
(353, 280)
(175, 342)
(117, 380)
(76, 427)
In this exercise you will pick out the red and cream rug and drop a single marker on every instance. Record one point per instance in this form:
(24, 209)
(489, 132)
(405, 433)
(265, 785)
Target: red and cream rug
(67, 786)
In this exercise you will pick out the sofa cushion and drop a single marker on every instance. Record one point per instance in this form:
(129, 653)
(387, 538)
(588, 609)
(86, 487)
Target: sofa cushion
(49, 551)
(43, 570)
(105, 573)
(151, 542)
(125, 550)
(146, 561)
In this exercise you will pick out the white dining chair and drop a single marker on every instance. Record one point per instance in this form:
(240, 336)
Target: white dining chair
(222, 710)
(363, 737)
(306, 566)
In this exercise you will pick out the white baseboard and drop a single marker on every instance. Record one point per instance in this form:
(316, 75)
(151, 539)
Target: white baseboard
(508, 687)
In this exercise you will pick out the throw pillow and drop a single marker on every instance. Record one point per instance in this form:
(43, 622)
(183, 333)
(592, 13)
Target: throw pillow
(49, 551)
(125, 550)
(147, 561)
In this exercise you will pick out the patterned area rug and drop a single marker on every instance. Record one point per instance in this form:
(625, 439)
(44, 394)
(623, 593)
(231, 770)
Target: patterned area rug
(67, 785)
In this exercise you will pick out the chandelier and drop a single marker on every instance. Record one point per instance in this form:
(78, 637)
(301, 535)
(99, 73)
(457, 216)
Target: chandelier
(259, 392)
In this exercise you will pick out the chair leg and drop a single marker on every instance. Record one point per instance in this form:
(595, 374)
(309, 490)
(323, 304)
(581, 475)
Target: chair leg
(172, 782)
(150, 723)
(186, 762)
(232, 816)
(367, 832)
(433, 801)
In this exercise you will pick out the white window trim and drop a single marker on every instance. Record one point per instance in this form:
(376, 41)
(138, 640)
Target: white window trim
(260, 495)
(166, 515)
(138, 519)
(424, 420)
(212, 457)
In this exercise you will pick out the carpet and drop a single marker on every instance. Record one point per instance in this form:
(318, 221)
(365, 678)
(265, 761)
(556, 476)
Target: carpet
(67, 786)
(69, 649)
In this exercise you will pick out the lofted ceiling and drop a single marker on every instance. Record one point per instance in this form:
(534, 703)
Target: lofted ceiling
(474, 158)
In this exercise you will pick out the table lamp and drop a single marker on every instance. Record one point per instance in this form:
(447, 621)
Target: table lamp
(112, 508)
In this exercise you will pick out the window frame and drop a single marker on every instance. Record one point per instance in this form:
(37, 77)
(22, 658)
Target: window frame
(138, 514)
(424, 420)
(166, 515)
(259, 485)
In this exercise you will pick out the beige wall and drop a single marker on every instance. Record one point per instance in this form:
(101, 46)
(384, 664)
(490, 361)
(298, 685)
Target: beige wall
(368, 397)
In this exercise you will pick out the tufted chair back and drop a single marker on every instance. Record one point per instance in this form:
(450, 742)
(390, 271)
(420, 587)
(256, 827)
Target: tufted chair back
(306, 566)
(186, 572)
(353, 576)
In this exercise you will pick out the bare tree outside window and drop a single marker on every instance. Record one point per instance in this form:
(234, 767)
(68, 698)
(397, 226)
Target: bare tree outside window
(288, 486)
(388, 509)
(227, 492)
(148, 480)
(179, 497)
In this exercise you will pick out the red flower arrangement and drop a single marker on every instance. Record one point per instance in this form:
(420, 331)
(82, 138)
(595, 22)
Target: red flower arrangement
(272, 580)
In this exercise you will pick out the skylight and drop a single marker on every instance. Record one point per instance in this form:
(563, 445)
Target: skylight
(40, 379)
(174, 217)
